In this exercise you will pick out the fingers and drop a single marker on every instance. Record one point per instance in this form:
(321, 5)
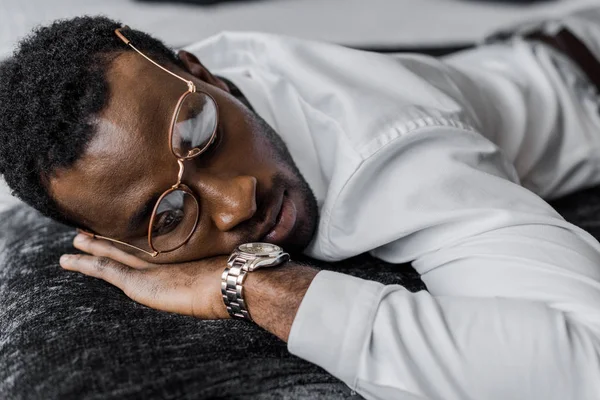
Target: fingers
(138, 285)
(103, 248)
(99, 267)
(192, 288)
(142, 286)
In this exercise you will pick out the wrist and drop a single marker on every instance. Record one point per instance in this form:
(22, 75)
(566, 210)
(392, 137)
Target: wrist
(219, 310)
(273, 296)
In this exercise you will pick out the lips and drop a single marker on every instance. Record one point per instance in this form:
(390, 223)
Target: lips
(284, 223)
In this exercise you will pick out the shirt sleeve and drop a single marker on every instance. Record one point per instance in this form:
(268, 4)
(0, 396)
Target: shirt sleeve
(513, 307)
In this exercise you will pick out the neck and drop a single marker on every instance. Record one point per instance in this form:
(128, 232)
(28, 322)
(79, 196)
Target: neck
(236, 92)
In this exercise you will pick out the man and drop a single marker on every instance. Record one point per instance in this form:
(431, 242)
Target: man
(169, 165)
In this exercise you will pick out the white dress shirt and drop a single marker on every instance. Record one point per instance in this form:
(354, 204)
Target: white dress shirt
(440, 163)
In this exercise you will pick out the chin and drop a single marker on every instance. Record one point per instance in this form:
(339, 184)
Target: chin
(303, 235)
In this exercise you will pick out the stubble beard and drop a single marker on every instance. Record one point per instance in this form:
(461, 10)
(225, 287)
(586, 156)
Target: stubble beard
(307, 228)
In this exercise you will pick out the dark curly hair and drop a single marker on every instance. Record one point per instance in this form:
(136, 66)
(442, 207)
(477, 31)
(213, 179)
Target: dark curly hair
(50, 91)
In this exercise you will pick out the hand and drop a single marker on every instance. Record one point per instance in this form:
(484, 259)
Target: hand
(273, 295)
(192, 288)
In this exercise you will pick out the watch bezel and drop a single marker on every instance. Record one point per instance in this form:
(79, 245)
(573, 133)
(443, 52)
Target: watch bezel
(254, 261)
(276, 252)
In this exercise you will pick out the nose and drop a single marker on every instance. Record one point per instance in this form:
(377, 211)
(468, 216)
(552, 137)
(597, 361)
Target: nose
(229, 201)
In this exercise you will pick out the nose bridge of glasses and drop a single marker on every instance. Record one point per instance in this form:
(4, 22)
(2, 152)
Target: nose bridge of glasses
(180, 173)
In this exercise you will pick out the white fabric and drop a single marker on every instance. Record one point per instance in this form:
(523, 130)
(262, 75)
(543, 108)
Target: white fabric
(429, 161)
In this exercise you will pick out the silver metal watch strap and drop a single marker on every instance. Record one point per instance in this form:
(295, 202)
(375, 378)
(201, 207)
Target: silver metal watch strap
(232, 289)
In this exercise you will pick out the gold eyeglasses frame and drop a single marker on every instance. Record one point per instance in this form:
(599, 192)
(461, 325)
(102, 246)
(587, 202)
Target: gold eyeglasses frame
(194, 152)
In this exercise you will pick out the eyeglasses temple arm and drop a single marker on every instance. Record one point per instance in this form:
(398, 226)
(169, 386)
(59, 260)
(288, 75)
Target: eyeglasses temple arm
(94, 236)
(190, 84)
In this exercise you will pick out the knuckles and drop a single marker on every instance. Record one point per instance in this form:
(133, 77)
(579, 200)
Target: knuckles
(101, 263)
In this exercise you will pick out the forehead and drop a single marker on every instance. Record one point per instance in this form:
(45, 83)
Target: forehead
(122, 165)
(139, 88)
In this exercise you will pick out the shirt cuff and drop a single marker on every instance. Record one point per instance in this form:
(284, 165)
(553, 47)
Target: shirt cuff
(334, 322)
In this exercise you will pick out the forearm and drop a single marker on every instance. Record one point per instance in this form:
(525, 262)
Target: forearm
(386, 343)
(273, 296)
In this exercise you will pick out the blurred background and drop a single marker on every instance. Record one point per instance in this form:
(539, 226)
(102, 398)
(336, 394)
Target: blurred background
(360, 23)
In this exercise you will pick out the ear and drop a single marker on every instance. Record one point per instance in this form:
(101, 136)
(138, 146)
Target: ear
(195, 67)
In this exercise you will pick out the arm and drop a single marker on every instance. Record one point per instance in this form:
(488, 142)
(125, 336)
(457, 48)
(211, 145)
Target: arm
(385, 343)
(514, 290)
(438, 347)
(513, 309)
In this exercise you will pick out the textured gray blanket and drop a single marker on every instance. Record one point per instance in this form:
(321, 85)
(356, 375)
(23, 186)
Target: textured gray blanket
(64, 335)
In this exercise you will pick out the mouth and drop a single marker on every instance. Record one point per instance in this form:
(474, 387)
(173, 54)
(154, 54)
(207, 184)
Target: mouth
(281, 221)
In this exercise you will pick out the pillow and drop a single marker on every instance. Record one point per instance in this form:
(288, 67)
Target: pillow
(66, 335)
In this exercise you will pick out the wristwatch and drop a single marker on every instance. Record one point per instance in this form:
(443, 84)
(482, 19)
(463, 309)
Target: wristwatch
(246, 258)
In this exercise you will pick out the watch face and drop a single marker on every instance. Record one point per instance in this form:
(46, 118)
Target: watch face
(259, 249)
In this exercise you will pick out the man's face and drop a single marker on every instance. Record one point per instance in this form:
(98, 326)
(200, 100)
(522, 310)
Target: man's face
(246, 183)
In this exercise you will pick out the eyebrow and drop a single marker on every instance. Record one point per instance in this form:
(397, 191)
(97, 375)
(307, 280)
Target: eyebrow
(143, 213)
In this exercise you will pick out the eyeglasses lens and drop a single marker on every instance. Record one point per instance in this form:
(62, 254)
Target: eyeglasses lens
(174, 220)
(195, 125)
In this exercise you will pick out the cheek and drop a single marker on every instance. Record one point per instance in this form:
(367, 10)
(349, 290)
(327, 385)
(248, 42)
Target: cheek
(243, 148)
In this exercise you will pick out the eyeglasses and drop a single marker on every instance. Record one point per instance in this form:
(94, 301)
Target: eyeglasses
(193, 129)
